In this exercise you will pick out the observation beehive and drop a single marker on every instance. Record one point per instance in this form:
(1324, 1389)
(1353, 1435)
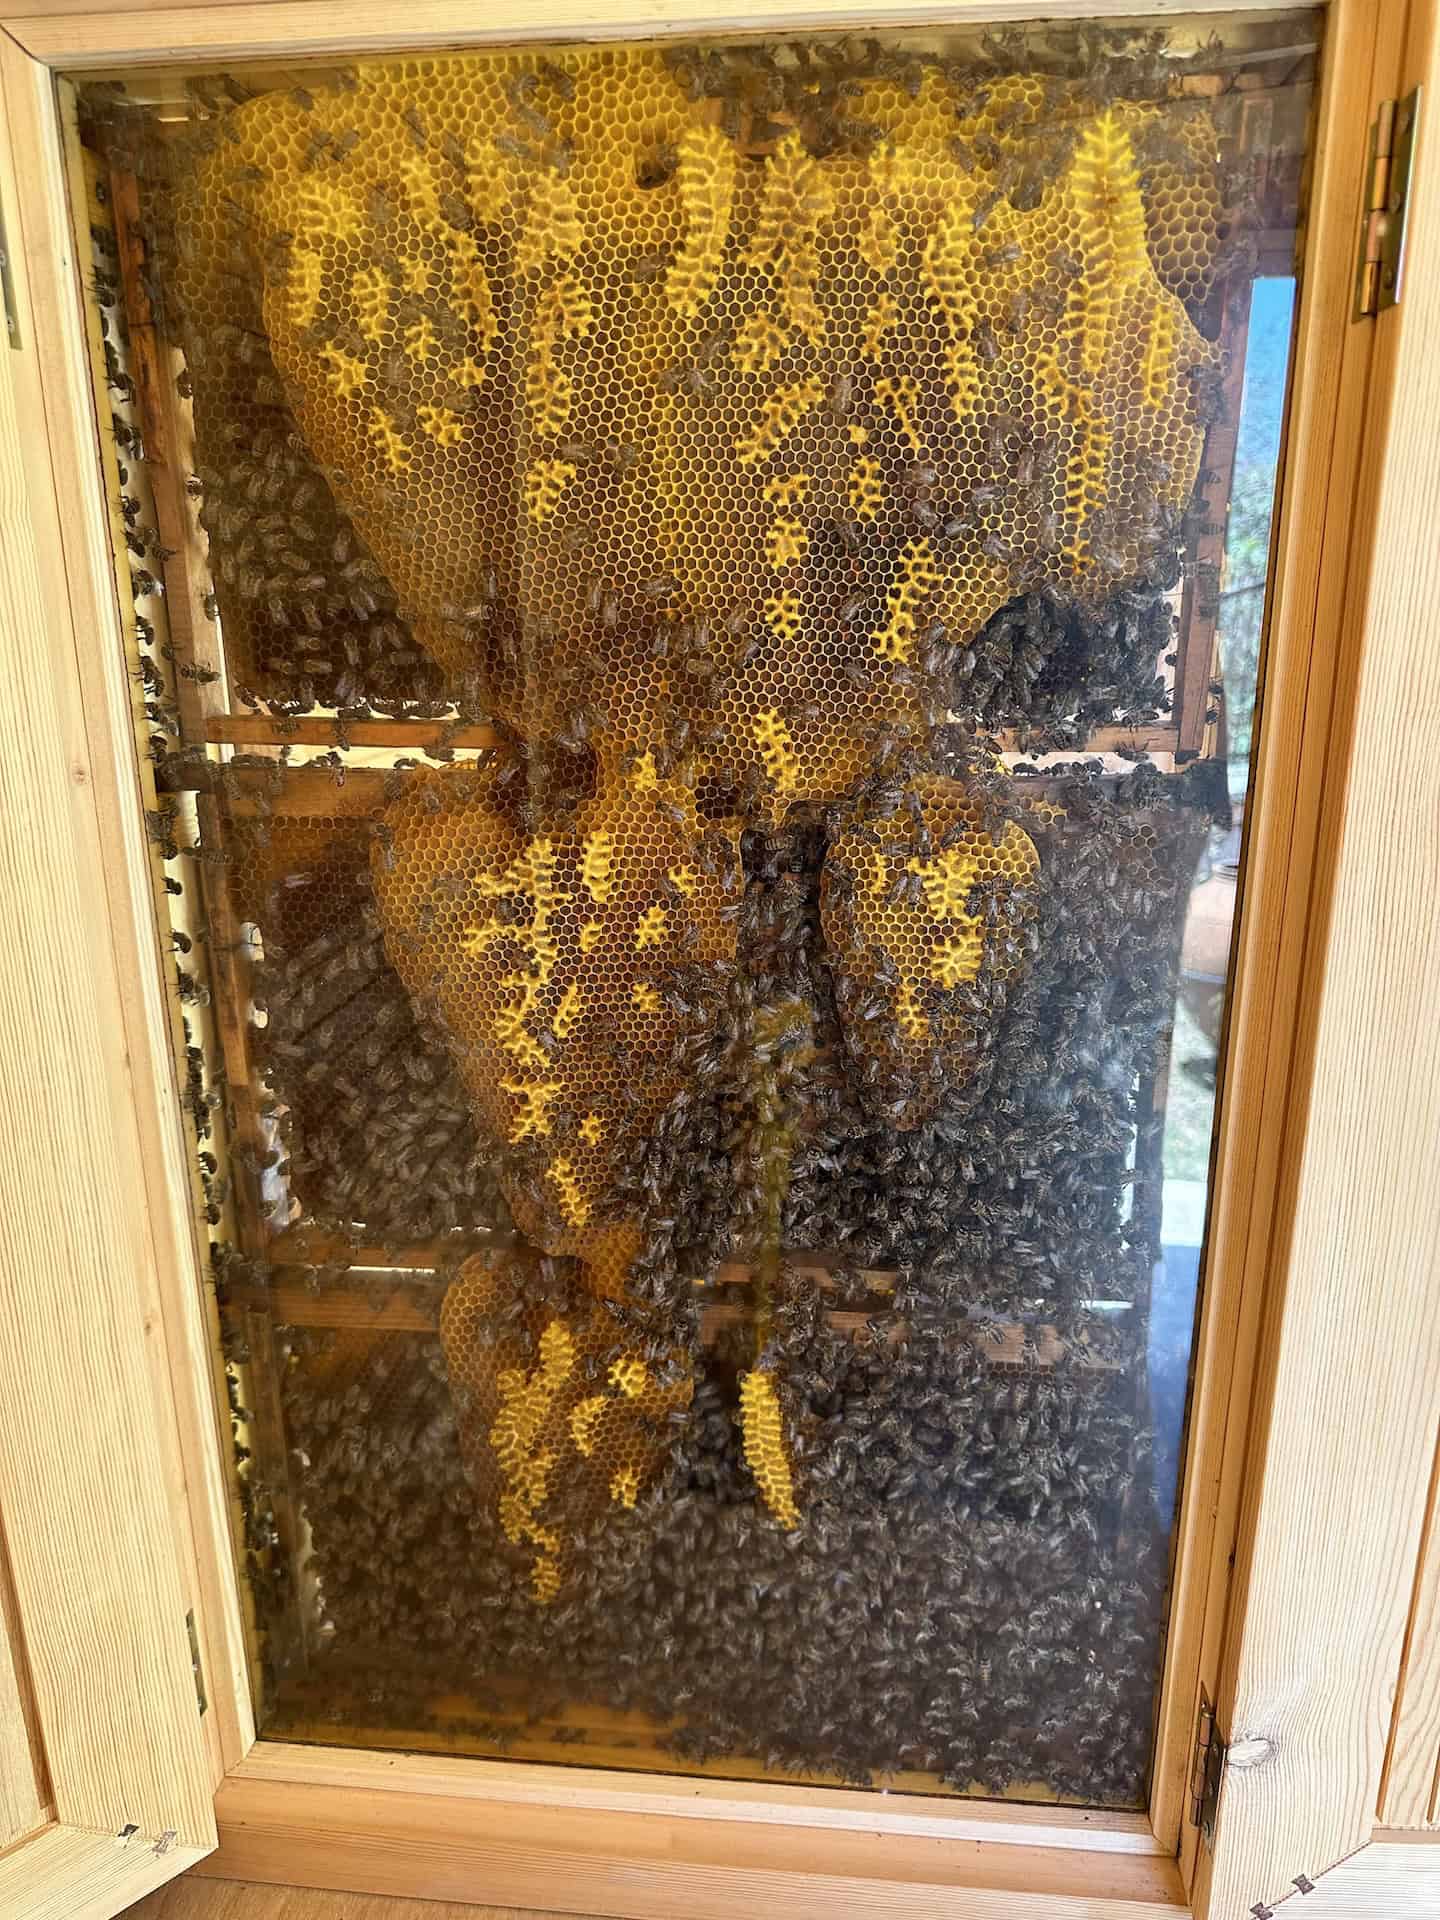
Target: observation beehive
(762, 443)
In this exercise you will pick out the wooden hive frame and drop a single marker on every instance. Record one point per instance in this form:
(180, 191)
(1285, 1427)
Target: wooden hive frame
(109, 1333)
(291, 1298)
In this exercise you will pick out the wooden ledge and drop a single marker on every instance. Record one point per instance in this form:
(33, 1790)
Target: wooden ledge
(653, 1866)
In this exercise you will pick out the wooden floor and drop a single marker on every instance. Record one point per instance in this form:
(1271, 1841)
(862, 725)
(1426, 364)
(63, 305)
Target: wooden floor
(189, 1899)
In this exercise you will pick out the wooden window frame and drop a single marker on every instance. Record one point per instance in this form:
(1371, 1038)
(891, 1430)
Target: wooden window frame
(1314, 1425)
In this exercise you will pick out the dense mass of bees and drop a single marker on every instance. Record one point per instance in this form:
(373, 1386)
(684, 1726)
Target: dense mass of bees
(973, 1585)
(750, 436)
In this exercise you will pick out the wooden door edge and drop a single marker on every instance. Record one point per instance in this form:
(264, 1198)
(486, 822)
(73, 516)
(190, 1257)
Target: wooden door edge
(1343, 1427)
(501, 1784)
(1395, 1875)
(84, 1461)
(111, 35)
(172, 1298)
(1294, 769)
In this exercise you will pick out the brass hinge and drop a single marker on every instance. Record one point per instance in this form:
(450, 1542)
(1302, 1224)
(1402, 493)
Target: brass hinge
(1207, 1770)
(195, 1666)
(1382, 220)
(7, 288)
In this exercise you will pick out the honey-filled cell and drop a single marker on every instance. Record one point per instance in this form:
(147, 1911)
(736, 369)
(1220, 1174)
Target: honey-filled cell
(700, 780)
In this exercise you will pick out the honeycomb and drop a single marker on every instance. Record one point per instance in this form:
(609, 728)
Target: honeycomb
(548, 960)
(1026, 123)
(659, 433)
(551, 1398)
(696, 417)
(917, 903)
(767, 1453)
(821, 1058)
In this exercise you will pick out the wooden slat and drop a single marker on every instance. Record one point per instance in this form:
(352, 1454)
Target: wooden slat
(1349, 1367)
(415, 1309)
(270, 1449)
(308, 27)
(190, 1367)
(308, 792)
(502, 1783)
(653, 1868)
(231, 974)
(453, 1725)
(87, 1464)
(310, 1247)
(167, 437)
(413, 736)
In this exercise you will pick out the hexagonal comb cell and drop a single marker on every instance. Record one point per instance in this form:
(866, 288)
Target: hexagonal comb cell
(562, 1419)
(705, 443)
(761, 439)
(914, 906)
(767, 432)
(547, 959)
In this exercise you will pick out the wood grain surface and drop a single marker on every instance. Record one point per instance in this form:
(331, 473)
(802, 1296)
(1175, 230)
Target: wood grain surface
(192, 1899)
(85, 1479)
(1349, 1363)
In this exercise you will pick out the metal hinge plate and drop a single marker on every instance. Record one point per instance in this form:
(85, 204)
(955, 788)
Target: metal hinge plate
(7, 289)
(1207, 1770)
(1381, 267)
(195, 1667)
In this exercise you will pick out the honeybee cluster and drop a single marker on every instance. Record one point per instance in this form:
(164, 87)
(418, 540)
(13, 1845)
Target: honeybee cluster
(972, 1585)
(759, 440)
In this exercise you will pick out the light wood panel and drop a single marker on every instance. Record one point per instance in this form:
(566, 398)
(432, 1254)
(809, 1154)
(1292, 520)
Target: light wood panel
(67, 1874)
(169, 1284)
(87, 1476)
(653, 1867)
(1395, 1877)
(1349, 1365)
(1391, 1878)
(303, 27)
(192, 1899)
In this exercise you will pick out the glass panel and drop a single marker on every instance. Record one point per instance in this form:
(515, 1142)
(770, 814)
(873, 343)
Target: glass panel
(699, 609)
